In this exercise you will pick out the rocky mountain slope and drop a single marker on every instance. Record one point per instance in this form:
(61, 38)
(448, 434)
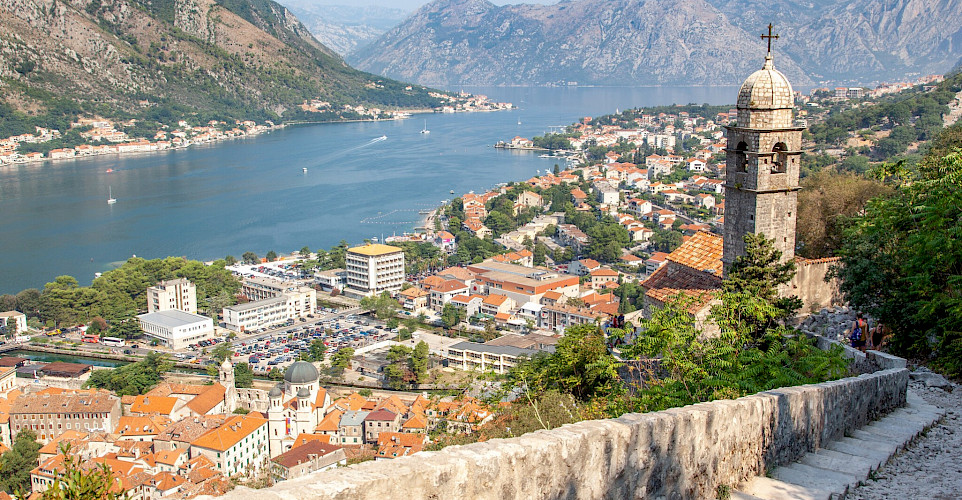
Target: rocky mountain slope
(227, 58)
(651, 42)
(345, 28)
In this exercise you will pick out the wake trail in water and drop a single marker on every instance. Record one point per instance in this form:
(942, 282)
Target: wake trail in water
(352, 149)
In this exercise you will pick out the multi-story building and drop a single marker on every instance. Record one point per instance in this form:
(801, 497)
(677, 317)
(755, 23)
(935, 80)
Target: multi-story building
(374, 268)
(238, 447)
(304, 297)
(176, 329)
(521, 284)
(179, 294)
(50, 414)
(379, 421)
(474, 356)
(13, 322)
(271, 311)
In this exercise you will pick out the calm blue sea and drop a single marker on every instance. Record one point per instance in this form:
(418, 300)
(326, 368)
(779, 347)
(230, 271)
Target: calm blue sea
(252, 194)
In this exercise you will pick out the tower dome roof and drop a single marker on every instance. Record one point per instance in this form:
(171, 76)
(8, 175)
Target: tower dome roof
(275, 392)
(766, 88)
(301, 372)
(303, 392)
(226, 364)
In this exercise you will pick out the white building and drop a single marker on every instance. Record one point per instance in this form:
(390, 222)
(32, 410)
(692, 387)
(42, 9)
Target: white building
(239, 447)
(258, 314)
(176, 329)
(14, 319)
(375, 268)
(483, 357)
(179, 294)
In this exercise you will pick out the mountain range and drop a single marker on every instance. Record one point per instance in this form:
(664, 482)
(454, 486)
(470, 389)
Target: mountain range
(345, 28)
(666, 42)
(225, 58)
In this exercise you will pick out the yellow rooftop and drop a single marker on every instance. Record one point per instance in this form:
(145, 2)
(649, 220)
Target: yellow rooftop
(373, 249)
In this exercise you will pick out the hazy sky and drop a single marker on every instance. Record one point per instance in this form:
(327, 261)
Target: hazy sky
(410, 4)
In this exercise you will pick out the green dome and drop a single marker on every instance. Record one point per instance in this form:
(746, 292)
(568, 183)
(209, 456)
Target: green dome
(276, 392)
(301, 372)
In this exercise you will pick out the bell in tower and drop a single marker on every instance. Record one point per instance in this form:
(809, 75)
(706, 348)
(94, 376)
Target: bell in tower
(763, 156)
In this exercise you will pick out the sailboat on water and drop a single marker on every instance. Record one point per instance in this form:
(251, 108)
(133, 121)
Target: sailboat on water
(110, 195)
(425, 129)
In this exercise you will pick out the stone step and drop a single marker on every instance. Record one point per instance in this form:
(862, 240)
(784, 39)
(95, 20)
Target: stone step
(773, 489)
(814, 477)
(840, 464)
(837, 461)
(858, 448)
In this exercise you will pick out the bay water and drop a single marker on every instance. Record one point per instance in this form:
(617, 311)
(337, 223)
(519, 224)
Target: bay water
(363, 180)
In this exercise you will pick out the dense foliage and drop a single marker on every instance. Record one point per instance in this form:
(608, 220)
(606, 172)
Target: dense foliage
(76, 482)
(16, 463)
(120, 294)
(133, 379)
(671, 361)
(902, 261)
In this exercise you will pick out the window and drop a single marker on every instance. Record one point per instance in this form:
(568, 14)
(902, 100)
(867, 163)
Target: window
(781, 158)
(741, 159)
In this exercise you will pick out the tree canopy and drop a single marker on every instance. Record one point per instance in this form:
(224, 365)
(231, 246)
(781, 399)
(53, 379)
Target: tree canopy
(133, 379)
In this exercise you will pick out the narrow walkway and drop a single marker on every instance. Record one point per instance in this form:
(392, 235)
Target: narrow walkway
(834, 470)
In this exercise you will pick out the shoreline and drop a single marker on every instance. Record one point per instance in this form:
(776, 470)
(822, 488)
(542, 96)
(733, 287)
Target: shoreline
(23, 160)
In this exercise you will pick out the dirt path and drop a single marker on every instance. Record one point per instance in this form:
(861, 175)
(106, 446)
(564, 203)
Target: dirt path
(930, 468)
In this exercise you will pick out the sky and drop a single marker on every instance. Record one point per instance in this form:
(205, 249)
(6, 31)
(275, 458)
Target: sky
(412, 4)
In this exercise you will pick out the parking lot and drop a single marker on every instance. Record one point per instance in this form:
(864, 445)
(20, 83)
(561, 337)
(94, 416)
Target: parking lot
(280, 349)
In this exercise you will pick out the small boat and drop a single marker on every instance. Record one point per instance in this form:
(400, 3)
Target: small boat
(519, 121)
(452, 191)
(304, 169)
(425, 129)
(383, 137)
(109, 170)
(110, 196)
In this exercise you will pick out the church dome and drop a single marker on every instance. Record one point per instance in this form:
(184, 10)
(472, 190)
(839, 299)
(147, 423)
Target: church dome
(275, 392)
(301, 372)
(766, 88)
(303, 392)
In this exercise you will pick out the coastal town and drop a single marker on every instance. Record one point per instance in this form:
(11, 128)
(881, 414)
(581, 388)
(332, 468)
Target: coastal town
(393, 347)
(102, 136)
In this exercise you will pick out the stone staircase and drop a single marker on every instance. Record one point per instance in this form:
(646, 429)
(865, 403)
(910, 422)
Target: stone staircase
(831, 471)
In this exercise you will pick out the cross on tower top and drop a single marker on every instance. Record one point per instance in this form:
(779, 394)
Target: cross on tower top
(770, 36)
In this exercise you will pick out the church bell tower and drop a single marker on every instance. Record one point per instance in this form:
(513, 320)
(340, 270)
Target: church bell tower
(763, 156)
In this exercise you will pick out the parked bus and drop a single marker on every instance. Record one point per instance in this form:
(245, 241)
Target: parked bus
(112, 341)
(92, 339)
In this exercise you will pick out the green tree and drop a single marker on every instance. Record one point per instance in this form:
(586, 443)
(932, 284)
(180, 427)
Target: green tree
(341, 360)
(133, 379)
(275, 374)
(230, 260)
(16, 464)
(316, 351)
(383, 305)
(419, 361)
(756, 276)
(243, 375)
(901, 262)
(451, 315)
(221, 351)
(250, 258)
(271, 256)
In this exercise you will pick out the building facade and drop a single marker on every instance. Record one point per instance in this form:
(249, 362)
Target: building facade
(176, 329)
(49, 414)
(179, 294)
(374, 268)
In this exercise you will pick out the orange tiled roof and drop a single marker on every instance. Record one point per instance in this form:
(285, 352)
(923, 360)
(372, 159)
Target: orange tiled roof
(703, 251)
(207, 400)
(169, 457)
(670, 281)
(415, 422)
(153, 404)
(329, 422)
(227, 435)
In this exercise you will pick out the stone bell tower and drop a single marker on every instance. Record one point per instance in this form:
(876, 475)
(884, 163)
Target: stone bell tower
(763, 156)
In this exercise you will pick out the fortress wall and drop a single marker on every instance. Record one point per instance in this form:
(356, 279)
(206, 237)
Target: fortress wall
(679, 453)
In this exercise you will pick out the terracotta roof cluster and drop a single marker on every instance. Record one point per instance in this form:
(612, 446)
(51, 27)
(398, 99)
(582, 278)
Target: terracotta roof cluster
(311, 450)
(234, 429)
(53, 402)
(399, 444)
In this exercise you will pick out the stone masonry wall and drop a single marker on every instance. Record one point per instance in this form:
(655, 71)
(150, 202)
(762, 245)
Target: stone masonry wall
(678, 453)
